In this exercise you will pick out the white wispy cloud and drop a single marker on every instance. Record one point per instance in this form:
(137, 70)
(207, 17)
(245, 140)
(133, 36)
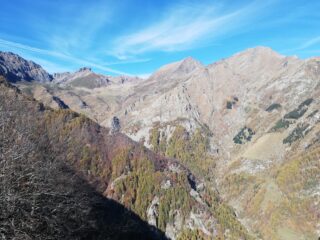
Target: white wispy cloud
(16, 45)
(184, 27)
(72, 37)
(78, 27)
(134, 60)
(305, 46)
(309, 43)
(49, 66)
(83, 62)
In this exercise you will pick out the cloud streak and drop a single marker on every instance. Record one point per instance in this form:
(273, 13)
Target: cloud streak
(182, 28)
(77, 25)
(105, 34)
(31, 49)
(304, 46)
(309, 43)
(16, 45)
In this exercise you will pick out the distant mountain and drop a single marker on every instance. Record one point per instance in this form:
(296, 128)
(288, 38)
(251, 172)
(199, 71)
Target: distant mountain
(248, 124)
(86, 78)
(16, 69)
(176, 70)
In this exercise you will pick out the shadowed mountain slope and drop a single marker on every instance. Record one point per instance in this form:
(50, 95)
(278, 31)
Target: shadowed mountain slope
(60, 171)
(16, 69)
(42, 196)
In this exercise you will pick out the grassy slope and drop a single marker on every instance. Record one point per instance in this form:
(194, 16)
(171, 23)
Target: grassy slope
(286, 199)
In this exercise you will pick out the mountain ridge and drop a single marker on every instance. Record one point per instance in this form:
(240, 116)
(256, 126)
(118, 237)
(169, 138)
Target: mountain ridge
(254, 117)
(16, 69)
(185, 65)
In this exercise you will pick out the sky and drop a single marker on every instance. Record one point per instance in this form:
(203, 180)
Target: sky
(136, 37)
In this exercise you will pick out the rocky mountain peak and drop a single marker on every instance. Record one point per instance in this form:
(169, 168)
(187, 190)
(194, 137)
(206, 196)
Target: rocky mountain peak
(189, 64)
(177, 69)
(85, 69)
(254, 63)
(60, 74)
(259, 52)
(15, 69)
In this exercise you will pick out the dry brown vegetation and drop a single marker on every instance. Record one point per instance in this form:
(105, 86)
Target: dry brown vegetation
(42, 196)
(56, 164)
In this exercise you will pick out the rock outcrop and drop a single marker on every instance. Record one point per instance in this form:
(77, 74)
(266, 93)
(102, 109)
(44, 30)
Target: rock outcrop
(17, 69)
(86, 78)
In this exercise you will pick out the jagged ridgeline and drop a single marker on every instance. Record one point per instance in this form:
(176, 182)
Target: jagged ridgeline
(65, 177)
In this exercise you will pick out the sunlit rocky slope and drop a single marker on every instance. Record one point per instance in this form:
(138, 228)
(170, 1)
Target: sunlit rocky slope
(247, 125)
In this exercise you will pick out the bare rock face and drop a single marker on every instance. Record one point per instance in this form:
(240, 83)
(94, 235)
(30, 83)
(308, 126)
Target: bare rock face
(176, 70)
(85, 69)
(115, 125)
(86, 78)
(16, 69)
(124, 79)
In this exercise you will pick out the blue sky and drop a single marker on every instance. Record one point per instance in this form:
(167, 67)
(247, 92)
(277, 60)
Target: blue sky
(138, 36)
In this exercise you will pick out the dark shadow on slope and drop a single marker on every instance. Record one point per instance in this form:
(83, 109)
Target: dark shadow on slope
(60, 103)
(55, 203)
(41, 197)
(101, 218)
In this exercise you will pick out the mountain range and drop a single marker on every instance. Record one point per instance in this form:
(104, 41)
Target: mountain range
(228, 150)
